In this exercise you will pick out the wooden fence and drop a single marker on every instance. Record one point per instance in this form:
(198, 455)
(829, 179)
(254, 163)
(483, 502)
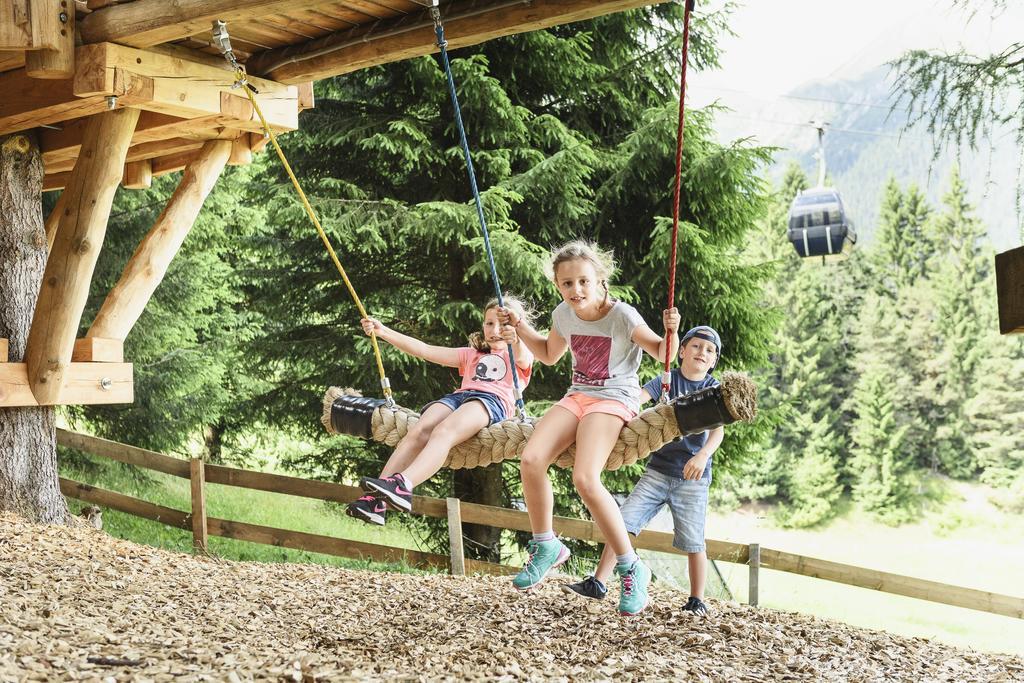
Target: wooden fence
(457, 513)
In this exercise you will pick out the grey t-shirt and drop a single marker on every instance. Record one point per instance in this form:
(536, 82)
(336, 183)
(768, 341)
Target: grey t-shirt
(604, 358)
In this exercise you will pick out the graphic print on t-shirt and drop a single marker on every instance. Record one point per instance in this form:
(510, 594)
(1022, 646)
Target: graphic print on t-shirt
(490, 368)
(591, 356)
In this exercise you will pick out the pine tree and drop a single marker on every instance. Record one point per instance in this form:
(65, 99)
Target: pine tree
(881, 465)
(959, 269)
(902, 247)
(996, 410)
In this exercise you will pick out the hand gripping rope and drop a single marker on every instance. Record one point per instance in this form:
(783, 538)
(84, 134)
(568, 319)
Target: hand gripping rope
(223, 42)
(666, 377)
(435, 14)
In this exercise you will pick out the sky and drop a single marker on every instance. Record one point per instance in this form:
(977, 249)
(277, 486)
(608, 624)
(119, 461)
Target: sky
(781, 44)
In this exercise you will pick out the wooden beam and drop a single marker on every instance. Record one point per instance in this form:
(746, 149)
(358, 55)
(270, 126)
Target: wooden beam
(63, 145)
(358, 49)
(27, 104)
(11, 60)
(241, 155)
(138, 175)
(150, 150)
(30, 24)
(150, 22)
(98, 350)
(130, 455)
(149, 264)
(53, 220)
(188, 89)
(82, 227)
(198, 488)
(59, 62)
(127, 504)
(85, 384)
(57, 181)
(1010, 290)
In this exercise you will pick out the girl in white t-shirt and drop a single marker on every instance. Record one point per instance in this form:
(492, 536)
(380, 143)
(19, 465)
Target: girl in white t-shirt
(606, 338)
(486, 396)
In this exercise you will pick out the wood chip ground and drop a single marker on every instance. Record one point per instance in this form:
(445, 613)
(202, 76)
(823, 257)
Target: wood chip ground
(76, 604)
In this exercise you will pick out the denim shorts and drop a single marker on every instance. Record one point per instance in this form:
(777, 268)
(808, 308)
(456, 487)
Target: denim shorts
(495, 408)
(687, 499)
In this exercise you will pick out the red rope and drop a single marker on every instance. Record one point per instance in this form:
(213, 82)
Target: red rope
(679, 172)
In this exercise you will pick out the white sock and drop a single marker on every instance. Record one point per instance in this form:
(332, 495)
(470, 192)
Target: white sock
(545, 536)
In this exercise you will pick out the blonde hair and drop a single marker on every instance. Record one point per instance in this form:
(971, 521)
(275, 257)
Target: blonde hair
(512, 303)
(603, 260)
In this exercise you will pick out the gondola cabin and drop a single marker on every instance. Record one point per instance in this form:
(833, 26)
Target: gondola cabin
(818, 224)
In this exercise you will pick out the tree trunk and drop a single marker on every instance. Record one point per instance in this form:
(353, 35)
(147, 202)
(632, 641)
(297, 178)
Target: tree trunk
(213, 443)
(28, 440)
(481, 485)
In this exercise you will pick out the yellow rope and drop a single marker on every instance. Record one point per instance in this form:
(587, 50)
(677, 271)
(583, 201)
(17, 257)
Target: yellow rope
(384, 383)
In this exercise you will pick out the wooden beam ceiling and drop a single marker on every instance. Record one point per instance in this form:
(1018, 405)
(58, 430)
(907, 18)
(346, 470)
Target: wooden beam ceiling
(358, 49)
(150, 22)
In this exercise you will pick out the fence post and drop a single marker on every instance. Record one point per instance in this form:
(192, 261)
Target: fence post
(455, 537)
(197, 472)
(753, 572)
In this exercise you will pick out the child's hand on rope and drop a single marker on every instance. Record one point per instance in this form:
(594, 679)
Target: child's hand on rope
(671, 318)
(371, 326)
(508, 333)
(508, 318)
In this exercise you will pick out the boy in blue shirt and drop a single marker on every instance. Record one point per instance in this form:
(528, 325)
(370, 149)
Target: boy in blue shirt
(678, 475)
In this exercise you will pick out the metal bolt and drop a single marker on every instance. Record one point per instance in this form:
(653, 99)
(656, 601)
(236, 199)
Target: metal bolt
(112, 102)
(63, 16)
(106, 384)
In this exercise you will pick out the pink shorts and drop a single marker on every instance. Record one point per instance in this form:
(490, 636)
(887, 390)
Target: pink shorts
(582, 405)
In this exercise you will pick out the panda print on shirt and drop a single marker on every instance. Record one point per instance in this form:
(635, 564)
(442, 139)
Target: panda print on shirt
(490, 368)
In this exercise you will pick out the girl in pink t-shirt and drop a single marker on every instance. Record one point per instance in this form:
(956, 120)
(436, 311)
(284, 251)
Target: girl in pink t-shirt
(487, 395)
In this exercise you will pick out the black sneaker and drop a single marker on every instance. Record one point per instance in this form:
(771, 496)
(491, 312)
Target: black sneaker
(391, 489)
(589, 587)
(697, 606)
(369, 509)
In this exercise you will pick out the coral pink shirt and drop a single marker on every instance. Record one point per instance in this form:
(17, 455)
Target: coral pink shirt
(491, 372)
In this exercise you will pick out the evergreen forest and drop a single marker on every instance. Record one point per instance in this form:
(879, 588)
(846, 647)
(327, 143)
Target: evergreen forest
(880, 376)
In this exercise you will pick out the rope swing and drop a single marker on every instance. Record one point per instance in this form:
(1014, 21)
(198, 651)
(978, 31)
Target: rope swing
(345, 412)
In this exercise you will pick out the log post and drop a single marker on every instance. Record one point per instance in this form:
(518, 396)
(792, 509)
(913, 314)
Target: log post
(80, 232)
(753, 573)
(458, 557)
(148, 265)
(53, 220)
(197, 471)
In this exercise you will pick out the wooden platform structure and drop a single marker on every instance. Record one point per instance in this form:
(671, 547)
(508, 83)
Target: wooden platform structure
(121, 91)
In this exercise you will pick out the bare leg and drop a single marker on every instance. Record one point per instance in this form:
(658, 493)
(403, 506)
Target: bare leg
(415, 439)
(470, 418)
(552, 435)
(698, 566)
(595, 439)
(605, 565)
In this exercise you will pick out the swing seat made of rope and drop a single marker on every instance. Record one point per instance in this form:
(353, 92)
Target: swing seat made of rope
(346, 412)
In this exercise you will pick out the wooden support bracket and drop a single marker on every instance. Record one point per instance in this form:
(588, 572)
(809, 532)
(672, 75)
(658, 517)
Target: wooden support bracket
(149, 263)
(98, 350)
(138, 175)
(4, 350)
(85, 384)
(80, 232)
(172, 85)
(458, 557)
(1010, 290)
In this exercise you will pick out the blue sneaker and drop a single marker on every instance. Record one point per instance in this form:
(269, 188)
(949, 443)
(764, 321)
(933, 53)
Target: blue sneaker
(544, 556)
(633, 595)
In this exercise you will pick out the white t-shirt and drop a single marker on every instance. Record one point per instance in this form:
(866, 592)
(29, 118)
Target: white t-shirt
(605, 360)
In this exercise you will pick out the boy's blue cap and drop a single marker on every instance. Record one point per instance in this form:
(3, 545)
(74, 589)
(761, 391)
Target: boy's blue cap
(707, 334)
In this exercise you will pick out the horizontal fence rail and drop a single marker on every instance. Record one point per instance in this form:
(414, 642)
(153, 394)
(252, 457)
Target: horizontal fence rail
(753, 555)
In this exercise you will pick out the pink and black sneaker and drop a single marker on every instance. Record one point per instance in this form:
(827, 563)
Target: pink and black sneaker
(391, 489)
(369, 508)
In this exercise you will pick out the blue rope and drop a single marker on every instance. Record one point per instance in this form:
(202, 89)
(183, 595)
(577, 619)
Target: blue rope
(443, 44)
